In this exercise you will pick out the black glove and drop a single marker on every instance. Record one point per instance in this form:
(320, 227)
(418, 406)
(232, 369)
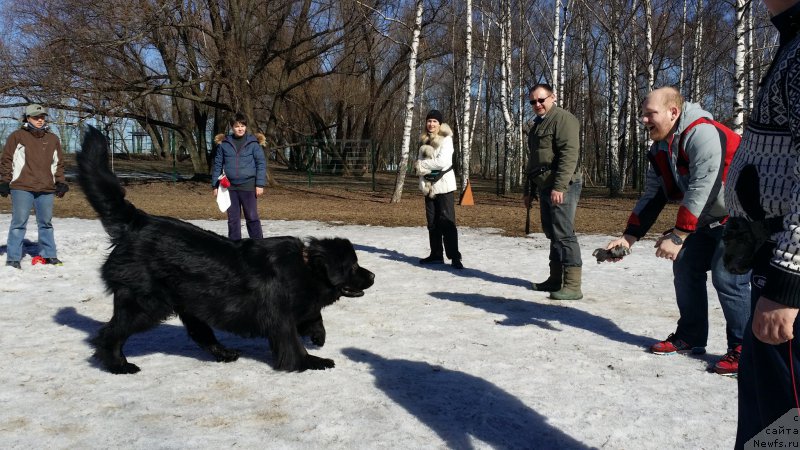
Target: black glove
(61, 189)
(618, 252)
(5, 189)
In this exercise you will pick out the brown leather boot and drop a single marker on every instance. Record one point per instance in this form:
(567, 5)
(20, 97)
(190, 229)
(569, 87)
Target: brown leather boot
(553, 283)
(572, 285)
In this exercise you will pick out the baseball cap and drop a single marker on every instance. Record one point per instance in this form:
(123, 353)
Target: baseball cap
(34, 110)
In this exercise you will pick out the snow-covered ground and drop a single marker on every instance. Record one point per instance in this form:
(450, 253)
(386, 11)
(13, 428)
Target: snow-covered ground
(430, 357)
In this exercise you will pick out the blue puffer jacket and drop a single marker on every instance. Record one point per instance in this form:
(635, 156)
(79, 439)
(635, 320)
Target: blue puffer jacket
(249, 163)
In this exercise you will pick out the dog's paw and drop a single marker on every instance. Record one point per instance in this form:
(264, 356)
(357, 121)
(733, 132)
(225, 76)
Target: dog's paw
(124, 369)
(318, 340)
(419, 170)
(316, 363)
(223, 354)
(115, 365)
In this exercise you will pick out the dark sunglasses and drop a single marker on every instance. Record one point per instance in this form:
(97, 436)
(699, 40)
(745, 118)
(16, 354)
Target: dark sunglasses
(539, 100)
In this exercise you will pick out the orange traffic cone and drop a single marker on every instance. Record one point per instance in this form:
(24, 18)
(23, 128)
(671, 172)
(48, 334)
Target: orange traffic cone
(466, 196)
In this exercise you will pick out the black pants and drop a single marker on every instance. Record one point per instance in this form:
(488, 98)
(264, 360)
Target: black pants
(243, 201)
(440, 212)
(766, 390)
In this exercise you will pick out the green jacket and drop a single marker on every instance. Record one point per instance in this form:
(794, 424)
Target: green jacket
(555, 143)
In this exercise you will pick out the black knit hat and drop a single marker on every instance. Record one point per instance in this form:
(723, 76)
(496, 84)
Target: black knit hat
(435, 114)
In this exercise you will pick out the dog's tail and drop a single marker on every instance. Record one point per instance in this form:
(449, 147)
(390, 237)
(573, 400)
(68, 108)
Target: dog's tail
(101, 186)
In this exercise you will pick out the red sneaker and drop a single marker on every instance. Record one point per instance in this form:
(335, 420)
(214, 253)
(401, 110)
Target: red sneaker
(38, 260)
(729, 364)
(673, 345)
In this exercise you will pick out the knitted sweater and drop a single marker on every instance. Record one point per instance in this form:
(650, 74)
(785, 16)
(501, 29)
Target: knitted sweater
(767, 162)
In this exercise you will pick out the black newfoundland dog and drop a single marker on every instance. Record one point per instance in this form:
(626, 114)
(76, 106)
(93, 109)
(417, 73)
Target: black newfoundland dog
(160, 266)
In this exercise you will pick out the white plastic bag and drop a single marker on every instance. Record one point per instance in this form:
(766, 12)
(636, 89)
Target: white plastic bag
(223, 196)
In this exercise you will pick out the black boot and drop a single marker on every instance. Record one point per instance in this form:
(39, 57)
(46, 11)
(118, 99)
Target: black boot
(553, 282)
(436, 256)
(432, 259)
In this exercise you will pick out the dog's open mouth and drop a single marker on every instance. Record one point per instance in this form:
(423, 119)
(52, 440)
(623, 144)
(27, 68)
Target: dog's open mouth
(347, 291)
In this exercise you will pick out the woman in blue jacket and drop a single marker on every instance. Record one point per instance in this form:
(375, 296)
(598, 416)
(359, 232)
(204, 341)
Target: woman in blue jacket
(240, 157)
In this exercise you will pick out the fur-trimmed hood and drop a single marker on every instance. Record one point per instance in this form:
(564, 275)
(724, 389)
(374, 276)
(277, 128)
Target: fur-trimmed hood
(262, 140)
(436, 140)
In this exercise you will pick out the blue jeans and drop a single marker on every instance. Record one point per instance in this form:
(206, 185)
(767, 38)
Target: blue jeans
(21, 204)
(558, 224)
(702, 252)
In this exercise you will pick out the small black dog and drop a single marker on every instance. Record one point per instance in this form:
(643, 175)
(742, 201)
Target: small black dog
(160, 266)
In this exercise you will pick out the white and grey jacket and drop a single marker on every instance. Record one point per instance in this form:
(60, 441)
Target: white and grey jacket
(692, 174)
(442, 159)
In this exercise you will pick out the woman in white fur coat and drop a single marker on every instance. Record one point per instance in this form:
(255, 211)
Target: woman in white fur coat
(436, 157)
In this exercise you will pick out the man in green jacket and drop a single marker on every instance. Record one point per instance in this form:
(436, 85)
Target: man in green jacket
(554, 146)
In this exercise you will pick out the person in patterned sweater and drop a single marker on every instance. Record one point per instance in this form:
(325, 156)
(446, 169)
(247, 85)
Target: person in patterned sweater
(763, 193)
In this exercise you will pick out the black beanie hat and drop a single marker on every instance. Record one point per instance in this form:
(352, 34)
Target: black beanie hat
(435, 114)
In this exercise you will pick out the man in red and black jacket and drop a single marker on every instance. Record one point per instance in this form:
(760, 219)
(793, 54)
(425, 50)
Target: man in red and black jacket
(689, 160)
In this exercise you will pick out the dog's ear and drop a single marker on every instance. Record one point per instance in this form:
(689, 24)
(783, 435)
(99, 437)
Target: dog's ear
(329, 259)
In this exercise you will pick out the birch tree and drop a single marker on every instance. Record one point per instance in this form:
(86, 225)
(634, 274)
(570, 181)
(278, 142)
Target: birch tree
(612, 22)
(466, 134)
(682, 71)
(615, 165)
(648, 36)
(562, 46)
(555, 76)
(411, 93)
(505, 88)
(742, 7)
(696, 56)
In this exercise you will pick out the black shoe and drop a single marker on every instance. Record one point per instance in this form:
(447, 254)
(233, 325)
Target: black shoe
(14, 264)
(53, 261)
(457, 264)
(432, 260)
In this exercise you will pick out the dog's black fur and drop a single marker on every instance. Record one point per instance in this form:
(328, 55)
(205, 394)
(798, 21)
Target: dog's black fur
(160, 266)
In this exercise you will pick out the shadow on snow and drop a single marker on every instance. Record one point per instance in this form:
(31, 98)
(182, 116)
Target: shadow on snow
(394, 255)
(166, 339)
(522, 312)
(460, 407)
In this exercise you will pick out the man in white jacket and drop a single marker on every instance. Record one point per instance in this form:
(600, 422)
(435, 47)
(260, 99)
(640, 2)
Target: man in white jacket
(440, 209)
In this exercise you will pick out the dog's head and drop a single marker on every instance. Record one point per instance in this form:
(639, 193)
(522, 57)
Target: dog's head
(335, 261)
(426, 151)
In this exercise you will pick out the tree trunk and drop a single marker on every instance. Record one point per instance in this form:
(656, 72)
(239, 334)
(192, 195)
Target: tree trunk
(696, 57)
(682, 71)
(615, 165)
(739, 65)
(556, 67)
(505, 89)
(466, 145)
(409, 113)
